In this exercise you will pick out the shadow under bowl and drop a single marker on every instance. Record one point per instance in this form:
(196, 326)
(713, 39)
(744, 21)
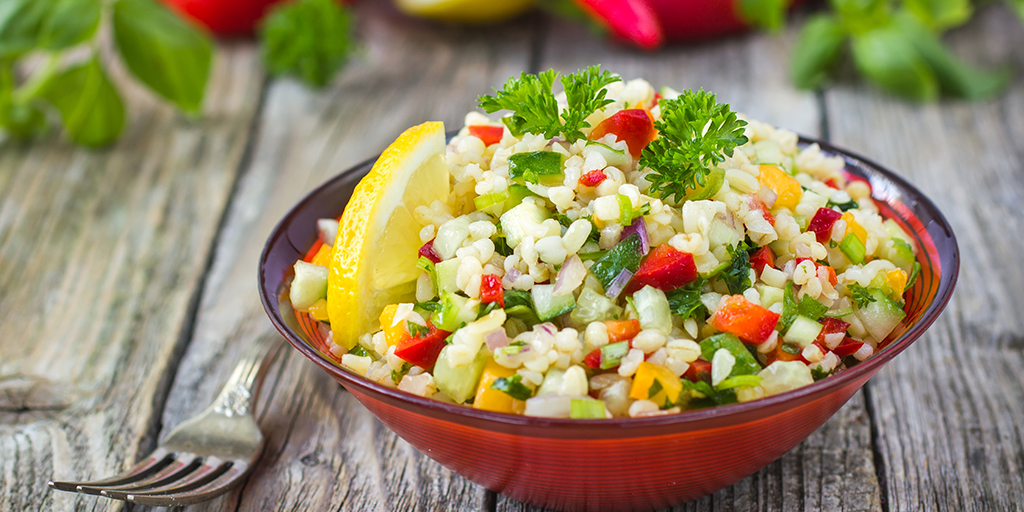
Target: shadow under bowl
(615, 464)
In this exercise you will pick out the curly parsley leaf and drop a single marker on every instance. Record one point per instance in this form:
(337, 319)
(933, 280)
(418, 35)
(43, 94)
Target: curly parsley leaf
(737, 274)
(535, 109)
(695, 134)
(310, 39)
(686, 302)
(860, 295)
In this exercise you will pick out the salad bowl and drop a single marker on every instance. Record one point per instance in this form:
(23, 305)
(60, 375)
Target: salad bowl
(624, 463)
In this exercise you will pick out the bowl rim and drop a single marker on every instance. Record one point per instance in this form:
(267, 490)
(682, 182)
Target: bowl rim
(686, 420)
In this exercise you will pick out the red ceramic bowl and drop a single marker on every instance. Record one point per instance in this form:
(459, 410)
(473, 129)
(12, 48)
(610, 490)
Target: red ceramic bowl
(616, 464)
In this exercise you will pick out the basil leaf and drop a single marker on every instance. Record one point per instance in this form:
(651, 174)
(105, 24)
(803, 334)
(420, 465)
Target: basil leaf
(955, 77)
(745, 362)
(20, 23)
(70, 22)
(311, 39)
(889, 59)
(811, 308)
(1018, 6)
(164, 52)
(625, 255)
(817, 48)
(766, 14)
(88, 102)
(940, 15)
(23, 120)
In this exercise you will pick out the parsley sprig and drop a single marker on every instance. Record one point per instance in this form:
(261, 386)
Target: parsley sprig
(696, 133)
(535, 109)
(862, 296)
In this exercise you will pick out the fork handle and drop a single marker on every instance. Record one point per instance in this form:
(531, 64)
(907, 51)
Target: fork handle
(238, 395)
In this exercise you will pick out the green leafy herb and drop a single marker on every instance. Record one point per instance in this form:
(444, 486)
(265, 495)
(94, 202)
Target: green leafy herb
(310, 39)
(417, 330)
(745, 364)
(914, 272)
(685, 302)
(595, 232)
(654, 389)
(861, 296)
(849, 205)
(535, 109)
(811, 308)
(713, 396)
(625, 255)
(790, 308)
(490, 306)
(429, 306)
(818, 373)
(767, 14)
(358, 350)
(818, 48)
(396, 375)
(790, 348)
(737, 274)
(88, 103)
(695, 134)
(626, 211)
(513, 387)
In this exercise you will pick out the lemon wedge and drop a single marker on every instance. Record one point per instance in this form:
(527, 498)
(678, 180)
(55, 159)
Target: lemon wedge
(465, 11)
(374, 257)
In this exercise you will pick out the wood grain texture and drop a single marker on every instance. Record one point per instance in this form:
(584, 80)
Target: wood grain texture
(101, 256)
(949, 410)
(326, 452)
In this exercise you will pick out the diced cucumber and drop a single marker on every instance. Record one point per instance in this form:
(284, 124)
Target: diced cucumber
(593, 307)
(722, 233)
(853, 248)
(540, 167)
(587, 409)
(514, 222)
(895, 231)
(498, 202)
(445, 272)
(901, 255)
(652, 309)
(459, 382)
(881, 316)
(767, 152)
(769, 295)
(616, 157)
(803, 332)
(450, 236)
(455, 310)
(549, 305)
(309, 285)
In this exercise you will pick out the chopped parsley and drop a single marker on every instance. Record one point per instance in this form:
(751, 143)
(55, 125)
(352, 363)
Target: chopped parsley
(429, 306)
(513, 387)
(790, 308)
(654, 389)
(849, 205)
(535, 109)
(396, 375)
(737, 274)
(811, 308)
(685, 302)
(695, 131)
(790, 348)
(861, 296)
(818, 373)
(358, 350)
(416, 330)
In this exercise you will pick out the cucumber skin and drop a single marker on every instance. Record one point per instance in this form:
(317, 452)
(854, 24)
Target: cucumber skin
(548, 306)
(460, 382)
(881, 316)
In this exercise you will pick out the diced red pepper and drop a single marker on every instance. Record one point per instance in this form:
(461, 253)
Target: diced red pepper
(698, 370)
(633, 125)
(593, 178)
(666, 268)
(593, 359)
(755, 203)
(830, 326)
(831, 273)
(752, 323)
(764, 257)
(487, 134)
(427, 251)
(781, 355)
(622, 330)
(423, 351)
(847, 347)
(831, 182)
(490, 289)
(822, 223)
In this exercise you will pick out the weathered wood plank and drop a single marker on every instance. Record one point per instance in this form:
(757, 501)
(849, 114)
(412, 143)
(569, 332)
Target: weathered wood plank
(833, 469)
(101, 257)
(325, 451)
(948, 411)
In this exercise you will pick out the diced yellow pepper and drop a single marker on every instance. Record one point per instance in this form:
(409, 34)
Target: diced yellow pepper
(319, 310)
(644, 378)
(323, 256)
(393, 334)
(852, 226)
(491, 399)
(784, 185)
(897, 281)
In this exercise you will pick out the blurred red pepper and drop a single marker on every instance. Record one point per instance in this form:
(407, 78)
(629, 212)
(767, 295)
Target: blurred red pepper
(226, 17)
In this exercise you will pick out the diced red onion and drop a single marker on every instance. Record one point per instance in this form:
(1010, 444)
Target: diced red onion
(510, 277)
(546, 328)
(640, 228)
(618, 284)
(570, 276)
(768, 196)
(496, 339)
(328, 230)
(325, 331)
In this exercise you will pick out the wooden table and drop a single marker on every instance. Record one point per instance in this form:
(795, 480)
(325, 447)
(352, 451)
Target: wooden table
(128, 276)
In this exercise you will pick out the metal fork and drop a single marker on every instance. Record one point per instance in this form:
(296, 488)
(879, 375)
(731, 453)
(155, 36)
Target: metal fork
(205, 455)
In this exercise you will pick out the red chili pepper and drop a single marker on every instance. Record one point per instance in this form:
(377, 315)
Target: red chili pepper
(847, 347)
(427, 251)
(822, 223)
(423, 351)
(752, 323)
(764, 257)
(490, 289)
(698, 370)
(666, 268)
(633, 125)
(487, 133)
(593, 178)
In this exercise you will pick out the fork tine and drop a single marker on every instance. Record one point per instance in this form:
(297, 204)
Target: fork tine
(219, 485)
(155, 462)
(211, 469)
(182, 464)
